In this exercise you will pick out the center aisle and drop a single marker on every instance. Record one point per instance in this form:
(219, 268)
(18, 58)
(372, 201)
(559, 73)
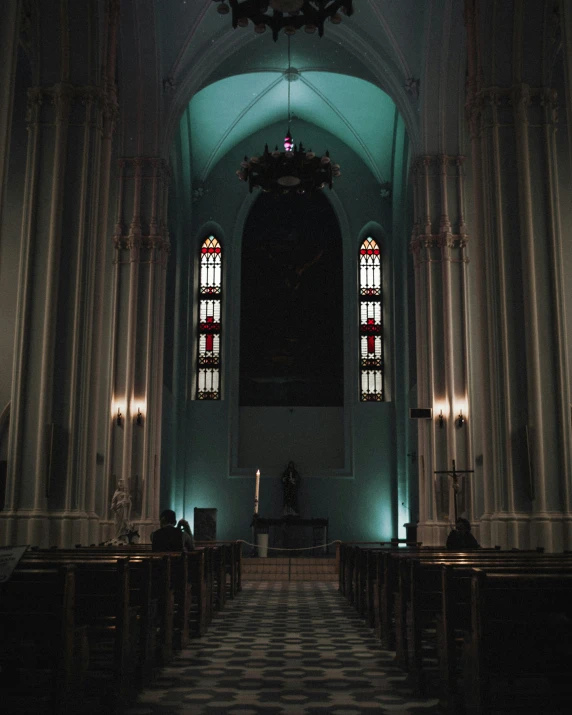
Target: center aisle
(283, 648)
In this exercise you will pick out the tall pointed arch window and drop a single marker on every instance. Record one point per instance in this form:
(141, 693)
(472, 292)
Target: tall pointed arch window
(209, 324)
(371, 323)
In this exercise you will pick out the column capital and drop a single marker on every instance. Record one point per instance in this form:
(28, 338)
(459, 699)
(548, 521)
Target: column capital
(521, 99)
(141, 225)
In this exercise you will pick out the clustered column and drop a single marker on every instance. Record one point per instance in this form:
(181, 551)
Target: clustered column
(142, 248)
(512, 114)
(50, 494)
(439, 247)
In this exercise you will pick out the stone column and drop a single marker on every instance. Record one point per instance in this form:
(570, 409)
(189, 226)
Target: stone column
(439, 247)
(142, 248)
(56, 380)
(525, 420)
(9, 33)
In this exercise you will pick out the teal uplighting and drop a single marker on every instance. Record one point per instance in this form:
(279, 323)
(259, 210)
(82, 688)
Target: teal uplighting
(225, 113)
(403, 518)
(381, 525)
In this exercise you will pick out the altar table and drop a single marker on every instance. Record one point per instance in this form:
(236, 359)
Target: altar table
(261, 525)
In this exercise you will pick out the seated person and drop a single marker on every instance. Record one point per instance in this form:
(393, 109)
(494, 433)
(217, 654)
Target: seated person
(172, 536)
(461, 538)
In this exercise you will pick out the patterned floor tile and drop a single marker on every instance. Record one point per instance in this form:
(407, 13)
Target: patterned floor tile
(283, 648)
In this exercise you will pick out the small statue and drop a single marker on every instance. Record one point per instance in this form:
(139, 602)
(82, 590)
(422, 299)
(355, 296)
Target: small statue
(290, 483)
(121, 506)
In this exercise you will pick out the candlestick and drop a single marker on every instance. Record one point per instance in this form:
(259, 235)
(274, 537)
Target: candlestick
(256, 491)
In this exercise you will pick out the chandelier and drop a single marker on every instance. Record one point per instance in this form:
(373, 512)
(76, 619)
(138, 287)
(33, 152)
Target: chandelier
(295, 169)
(288, 15)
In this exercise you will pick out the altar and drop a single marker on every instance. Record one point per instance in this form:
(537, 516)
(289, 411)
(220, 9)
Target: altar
(292, 532)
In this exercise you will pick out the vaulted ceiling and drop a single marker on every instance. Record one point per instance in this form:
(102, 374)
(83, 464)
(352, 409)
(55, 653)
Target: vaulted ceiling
(351, 81)
(228, 111)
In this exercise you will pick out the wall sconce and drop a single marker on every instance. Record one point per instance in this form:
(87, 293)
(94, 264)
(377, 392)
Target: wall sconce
(460, 419)
(119, 417)
(139, 418)
(441, 419)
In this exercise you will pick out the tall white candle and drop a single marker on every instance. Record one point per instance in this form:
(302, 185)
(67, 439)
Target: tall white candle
(256, 491)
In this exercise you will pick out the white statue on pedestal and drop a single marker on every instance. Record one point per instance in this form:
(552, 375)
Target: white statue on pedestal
(121, 507)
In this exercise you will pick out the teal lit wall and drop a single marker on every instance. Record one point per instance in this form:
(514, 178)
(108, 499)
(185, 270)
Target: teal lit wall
(363, 499)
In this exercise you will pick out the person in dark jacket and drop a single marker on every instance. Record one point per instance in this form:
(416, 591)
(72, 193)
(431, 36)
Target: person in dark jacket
(461, 538)
(172, 536)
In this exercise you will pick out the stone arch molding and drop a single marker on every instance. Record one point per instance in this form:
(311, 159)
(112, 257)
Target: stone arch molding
(206, 229)
(350, 375)
(372, 228)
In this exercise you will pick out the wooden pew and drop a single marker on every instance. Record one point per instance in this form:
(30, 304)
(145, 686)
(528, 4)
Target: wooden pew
(362, 561)
(369, 582)
(136, 606)
(351, 573)
(405, 611)
(391, 611)
(520, 647)
(103, 606)
(42, 650)
(172, 593)
(201, 597)
(217, 554)
(143, 626)
(421, 603)
(236, 569)
(200, 578)
(232, 560)
(191, 598)
(419, 575)
(454, 621)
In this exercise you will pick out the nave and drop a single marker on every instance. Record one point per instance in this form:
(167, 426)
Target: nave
(283, 648)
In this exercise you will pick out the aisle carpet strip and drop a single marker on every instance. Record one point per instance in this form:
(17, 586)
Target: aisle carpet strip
(283, 648)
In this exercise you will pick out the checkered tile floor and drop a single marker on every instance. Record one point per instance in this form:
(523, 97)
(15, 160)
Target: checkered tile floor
(283, 648)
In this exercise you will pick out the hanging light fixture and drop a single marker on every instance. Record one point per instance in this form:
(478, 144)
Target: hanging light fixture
(294, 169)
(288, 15)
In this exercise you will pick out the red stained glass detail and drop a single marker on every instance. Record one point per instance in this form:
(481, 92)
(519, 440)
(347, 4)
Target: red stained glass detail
(370, 344)
(370, 291)
(209, 344)
(208, 360)
(370, 328)
(209, 326)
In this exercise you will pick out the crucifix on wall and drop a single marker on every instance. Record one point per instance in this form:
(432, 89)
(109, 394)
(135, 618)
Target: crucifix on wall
(455, 475)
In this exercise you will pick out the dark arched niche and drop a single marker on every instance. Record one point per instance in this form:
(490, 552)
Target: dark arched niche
(291, 324)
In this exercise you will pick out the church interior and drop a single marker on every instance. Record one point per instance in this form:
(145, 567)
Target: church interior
(296, 270)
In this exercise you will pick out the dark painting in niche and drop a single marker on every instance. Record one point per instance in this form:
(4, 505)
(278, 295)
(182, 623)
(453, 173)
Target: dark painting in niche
(291, 328)
(204, 524)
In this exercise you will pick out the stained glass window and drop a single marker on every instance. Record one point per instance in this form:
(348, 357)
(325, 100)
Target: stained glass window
(210, 294)
(371, 322)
